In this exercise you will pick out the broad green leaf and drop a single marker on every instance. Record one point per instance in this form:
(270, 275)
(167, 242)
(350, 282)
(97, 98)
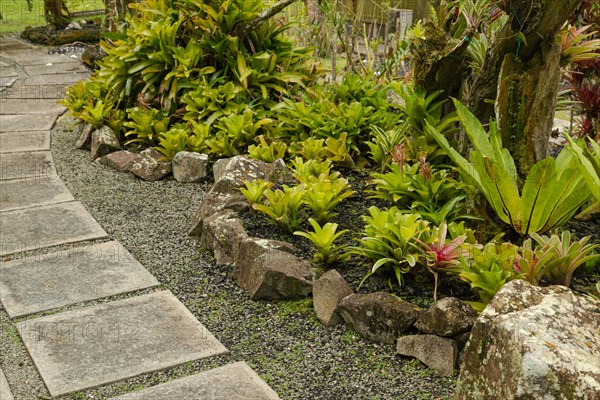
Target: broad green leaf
(539, 187)
(474, 130)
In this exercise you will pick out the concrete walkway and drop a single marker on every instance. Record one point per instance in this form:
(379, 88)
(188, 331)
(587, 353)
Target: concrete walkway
(86, 346)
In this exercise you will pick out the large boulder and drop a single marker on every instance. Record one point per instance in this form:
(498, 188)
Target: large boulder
(121, 160)
(533, 343)
(190, 167)
(223, 233)
(230, 175)
(436, 352)
(328, 291)
(447, 317)
(151, 165)
(379, 316)
(268, 270)
(104, 141)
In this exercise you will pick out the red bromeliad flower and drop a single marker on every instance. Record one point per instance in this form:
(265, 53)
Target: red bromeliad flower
(442, 254)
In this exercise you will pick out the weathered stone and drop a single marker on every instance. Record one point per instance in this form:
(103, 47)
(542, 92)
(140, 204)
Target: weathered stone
(268, 271)
(44, 226)
(462, 339)
(7, 81)
(244, 168)
(379, 316)
(223, 233)
(104, 141)
(533, 343)
(121, 160)
(436, 352)
(24, 141)
(230, 382)
(190, 167)
(230, 175)
(40, 283)
(29, 57)
(328, 291)
(448, 317)
(214, 202)
(26, 165)
(88, 347)
(5, 393)
(85, 139)
(151, 165)
(26, 193)
(34, 122)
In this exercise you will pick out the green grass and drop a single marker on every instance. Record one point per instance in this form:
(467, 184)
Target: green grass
(16, 16)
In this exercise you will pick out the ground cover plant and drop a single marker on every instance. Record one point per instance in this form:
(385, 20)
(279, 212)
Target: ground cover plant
(383, 185)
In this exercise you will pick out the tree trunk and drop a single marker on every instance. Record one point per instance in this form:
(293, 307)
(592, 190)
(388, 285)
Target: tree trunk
(527, 94)
(115, 11)
(53, 12)
(522, 62)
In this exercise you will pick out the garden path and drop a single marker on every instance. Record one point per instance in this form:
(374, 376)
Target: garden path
(56, 259)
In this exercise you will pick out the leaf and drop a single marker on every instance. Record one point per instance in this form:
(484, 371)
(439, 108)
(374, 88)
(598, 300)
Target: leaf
(538, 190)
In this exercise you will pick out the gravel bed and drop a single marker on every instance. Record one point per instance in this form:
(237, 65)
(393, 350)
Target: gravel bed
(282, 341)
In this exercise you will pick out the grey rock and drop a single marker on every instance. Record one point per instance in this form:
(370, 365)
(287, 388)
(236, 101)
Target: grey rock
(379, 316)
(56, 69)
(56, 79)
(462, 339)
(75, 25)
(85, 139)
(151, 166)
(223, 233)
(88, 347)
(190, 167)
(268, 271)
(328, 291)
(44, 226)
(436, 352)
(104, 142)
(447, 317)
(231, 382)
(26, 193)
(533, 343)
(121, 160)
(40, 283)
(244, 168)
(230, 175)
(214, 202)
(24, 141)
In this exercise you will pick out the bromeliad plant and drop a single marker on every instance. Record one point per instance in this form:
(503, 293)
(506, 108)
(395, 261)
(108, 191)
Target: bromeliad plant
(553, 191)
(390, 240)
(323, 238)
(196, 62)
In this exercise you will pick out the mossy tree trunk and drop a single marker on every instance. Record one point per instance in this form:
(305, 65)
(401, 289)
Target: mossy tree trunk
(56, 13)
(520, 74)
(115, 11)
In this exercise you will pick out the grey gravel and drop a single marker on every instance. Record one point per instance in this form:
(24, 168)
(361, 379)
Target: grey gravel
(282, 341)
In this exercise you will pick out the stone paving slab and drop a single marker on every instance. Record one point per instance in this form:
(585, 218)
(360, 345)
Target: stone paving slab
(15, 166)
(44, 226)
(11, 142)
(56, 79)
(35, 92)
(45, 282)
(61, 68)
(35, 57)
(30, 107)
(5, 393)
(25, 193)
(6, 81)
(7, 72)
(103, 344)
(231, 382)
(21, 122)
